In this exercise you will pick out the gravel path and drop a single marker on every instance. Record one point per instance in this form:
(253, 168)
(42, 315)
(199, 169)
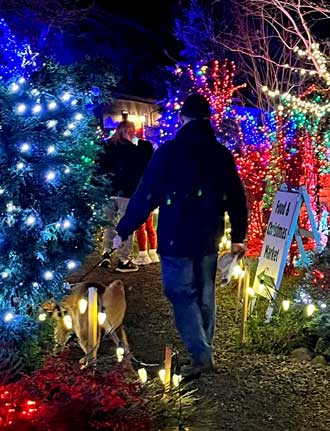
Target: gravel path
(249, 391)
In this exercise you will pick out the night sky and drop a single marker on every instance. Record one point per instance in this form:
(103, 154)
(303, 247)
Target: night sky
(132, 36)
(138, 37)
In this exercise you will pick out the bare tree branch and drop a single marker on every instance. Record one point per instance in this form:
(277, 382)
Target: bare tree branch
(275, 45)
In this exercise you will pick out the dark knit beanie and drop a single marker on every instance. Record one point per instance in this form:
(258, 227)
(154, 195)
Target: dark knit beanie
(196, 106)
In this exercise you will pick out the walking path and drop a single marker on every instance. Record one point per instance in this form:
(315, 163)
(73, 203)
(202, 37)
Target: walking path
(249, 392)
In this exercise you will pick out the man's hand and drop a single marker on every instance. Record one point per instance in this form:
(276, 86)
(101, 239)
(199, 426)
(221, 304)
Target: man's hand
(117, 241)
(238, 248)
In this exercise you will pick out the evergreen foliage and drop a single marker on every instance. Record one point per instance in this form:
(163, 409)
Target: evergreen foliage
(50, 208)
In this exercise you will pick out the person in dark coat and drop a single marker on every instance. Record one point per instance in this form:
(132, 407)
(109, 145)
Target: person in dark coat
(120, 163)
(193, 179)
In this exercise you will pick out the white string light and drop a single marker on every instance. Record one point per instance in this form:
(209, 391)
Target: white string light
(161, 374)
(25, 147)
(66, 224)
(30, 220)
(78, 116)
(101, 317)
(50, 176)
(143, 375)
(5, 274)
(71, 264)
(21, 108)
(52, 105)
(120, 352)
(14, 88)
(42, 317)
(36, 109)
(67, 320)
(8, 316)
(82, 305)
(48, 275)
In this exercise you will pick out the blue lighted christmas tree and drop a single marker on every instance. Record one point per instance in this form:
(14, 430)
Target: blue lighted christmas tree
(49, 207)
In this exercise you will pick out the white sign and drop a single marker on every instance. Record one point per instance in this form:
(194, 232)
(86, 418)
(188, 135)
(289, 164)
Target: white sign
(276, 244)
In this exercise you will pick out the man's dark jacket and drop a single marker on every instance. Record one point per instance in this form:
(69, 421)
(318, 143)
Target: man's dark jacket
(193, 180)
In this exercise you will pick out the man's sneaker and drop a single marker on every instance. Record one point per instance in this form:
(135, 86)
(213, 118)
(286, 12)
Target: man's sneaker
(105, 263)
(142, 259)
(190, 372)
(153, 256)
(126, 267)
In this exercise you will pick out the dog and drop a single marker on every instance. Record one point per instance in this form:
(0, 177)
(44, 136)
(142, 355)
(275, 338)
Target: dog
(111, 300)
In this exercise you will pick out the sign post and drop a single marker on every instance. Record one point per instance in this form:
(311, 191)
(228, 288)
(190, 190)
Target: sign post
(168, 364)
(281, 228)
(92, 325)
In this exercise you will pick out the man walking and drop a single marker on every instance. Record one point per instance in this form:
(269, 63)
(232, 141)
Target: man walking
(193, 180)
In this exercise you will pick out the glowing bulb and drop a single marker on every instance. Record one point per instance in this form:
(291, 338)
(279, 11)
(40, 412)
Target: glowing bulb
(48, 275)
(50, 176)
(20, 165)
(120, 354)
(51, 124)
(5, 274)
(21, 80)
(13, 88)
(237, 271)
(310, 308)
(142, 372)
(10, 207)
(25, 147)
(66, 133)
(30, 220)
(21, 108)
(74, 102)
(82, 304)
(323, 305)
(67, 170)
(8, 316)
(78, 116)
(71, 126)
(2, 191)
(51, 149)
(101, 317)
(52, 105)
(176, 379)
(67, 320)
(42, 317)
(161, 374)
(36, 109)
(71, 264)
(285, 305)
(35, 92)
(66, 224)
(65, 97)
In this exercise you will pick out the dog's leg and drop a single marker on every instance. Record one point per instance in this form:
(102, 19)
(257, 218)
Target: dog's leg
(120, 331)
(61, 336)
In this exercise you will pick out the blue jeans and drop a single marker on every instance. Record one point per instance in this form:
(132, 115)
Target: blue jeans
(189, 284)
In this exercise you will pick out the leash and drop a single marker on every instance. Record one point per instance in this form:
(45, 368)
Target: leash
(107, 255)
